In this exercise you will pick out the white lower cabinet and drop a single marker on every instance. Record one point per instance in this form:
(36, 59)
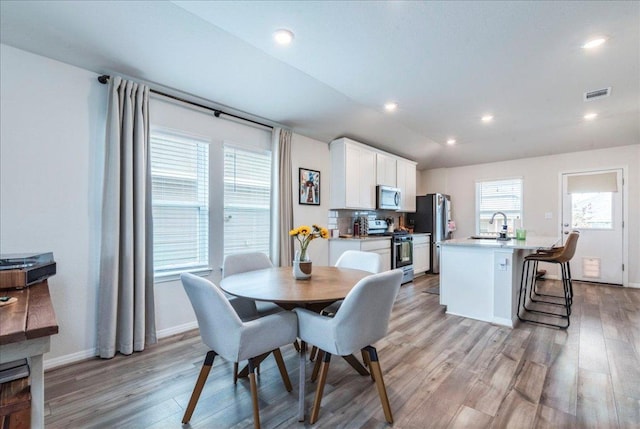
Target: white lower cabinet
(421, 254)
(381, 246)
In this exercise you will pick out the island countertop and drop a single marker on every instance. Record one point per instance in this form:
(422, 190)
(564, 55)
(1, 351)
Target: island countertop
(531, 243)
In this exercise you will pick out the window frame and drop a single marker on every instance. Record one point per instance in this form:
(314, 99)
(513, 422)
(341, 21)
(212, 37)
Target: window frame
(258, 150)
(510, 219)
(204, 268)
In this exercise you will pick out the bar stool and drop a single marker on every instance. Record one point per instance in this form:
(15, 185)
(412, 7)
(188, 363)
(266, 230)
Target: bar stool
(562, 256)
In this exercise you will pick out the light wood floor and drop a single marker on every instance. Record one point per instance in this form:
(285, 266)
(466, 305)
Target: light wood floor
(441, 371)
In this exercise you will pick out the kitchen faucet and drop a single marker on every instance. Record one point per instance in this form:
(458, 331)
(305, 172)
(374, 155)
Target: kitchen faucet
(503, 233)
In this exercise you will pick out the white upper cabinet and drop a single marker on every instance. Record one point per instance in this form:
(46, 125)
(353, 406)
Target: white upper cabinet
(406, 181)
(385, 170)
(356, 169)
(353, 175)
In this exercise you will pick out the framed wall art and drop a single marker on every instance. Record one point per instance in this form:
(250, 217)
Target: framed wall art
(309, 189)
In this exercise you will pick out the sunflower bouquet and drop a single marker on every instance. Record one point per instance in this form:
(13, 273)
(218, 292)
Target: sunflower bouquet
(305, 235)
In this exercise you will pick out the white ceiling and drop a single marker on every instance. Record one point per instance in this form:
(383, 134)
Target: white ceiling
(445, 63)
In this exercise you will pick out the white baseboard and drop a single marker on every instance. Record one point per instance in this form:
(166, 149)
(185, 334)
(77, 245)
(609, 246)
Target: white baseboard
(91, 353)
(164, 333)
(71, 358)
(634, 285)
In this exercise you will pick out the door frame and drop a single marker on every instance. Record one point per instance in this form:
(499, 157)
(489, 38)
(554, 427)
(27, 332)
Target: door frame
(625, 209)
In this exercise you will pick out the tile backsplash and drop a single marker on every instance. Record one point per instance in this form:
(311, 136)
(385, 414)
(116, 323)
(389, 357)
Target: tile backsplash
(342, 220)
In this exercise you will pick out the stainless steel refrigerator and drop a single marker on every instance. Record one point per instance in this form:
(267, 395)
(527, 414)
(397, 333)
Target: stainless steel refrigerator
(433, 213)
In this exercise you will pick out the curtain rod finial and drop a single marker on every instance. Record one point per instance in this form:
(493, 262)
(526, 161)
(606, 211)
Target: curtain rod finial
(103, 79)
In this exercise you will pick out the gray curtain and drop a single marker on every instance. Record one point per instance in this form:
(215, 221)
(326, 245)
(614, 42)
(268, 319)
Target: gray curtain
(282, 252)
(126, 317)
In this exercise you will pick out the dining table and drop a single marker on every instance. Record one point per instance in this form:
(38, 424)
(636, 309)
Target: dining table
(278, 285)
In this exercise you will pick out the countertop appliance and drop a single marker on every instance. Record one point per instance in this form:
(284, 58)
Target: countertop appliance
(433, 215)
(402, 254)
(377, 227)
(387, 198)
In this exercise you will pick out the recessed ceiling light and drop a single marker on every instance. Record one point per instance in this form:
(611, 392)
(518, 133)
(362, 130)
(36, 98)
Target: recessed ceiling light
(283, 37)
(594, 43)
(590, 116)
(487, 118)
(451, 141)
(390, 106)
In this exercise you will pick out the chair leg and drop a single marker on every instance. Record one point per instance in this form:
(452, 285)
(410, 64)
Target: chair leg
(314, 353)
(195, 395)
(367, 362)
(522, 299)
(235, 373)
(382, 390)
(324, 369)
(296, 346)
(316, 366)
(254, 394)
(283, 369)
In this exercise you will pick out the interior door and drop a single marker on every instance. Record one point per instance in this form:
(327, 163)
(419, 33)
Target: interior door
(592, 203)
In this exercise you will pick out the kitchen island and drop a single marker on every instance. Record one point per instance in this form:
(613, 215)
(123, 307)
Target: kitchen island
(480, 278)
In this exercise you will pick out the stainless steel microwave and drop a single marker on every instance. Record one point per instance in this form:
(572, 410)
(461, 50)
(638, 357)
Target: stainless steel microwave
(388, 198)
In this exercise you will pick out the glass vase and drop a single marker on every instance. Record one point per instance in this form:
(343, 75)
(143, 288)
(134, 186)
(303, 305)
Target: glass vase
(301, 268)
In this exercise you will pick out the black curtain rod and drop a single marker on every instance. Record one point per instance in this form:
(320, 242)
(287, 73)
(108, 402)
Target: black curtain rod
(104, 79)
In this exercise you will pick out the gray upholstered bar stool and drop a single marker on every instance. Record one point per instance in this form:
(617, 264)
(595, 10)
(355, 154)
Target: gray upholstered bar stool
(528, 292)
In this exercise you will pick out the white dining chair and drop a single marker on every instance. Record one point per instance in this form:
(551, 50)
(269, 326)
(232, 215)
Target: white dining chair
(241, 263)
(361, 320)
(226, 335)
(358, 260)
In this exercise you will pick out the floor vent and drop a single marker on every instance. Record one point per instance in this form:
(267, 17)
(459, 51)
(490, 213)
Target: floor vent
(596, 94)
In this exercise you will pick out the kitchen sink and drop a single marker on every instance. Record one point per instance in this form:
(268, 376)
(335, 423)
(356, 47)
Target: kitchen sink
(489, 237)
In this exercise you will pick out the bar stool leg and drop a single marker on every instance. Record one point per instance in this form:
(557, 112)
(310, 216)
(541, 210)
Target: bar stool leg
(528, 281)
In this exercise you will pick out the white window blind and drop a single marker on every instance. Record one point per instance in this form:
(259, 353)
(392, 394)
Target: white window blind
(247, 200)
(498, 196)
(180, 199)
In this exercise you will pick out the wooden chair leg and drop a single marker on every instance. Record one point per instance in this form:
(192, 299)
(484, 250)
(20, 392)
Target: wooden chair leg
(195, 395)
(367, 362)
(254, 394)
(283, 370)
(382, 391)
(235, 373)
(324, 369)
(296, 346)
(314, 353)
(316, 366)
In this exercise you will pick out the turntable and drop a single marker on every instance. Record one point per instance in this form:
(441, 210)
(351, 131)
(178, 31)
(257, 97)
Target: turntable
(19, 270)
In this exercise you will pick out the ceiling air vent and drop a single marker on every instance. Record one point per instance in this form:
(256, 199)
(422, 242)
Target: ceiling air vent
(598, 93)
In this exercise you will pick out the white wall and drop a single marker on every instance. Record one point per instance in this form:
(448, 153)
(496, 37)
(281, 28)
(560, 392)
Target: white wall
(51, 147)
(51, 162)
(541, 191)
(314, 155)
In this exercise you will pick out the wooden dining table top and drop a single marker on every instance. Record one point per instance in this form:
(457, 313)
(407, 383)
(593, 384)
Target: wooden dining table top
(277, 284)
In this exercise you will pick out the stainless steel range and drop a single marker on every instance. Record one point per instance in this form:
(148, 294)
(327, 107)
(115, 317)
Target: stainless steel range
(401, 247)
(402, 254)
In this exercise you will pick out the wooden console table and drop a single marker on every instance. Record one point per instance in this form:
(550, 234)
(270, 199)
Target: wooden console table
(26, 327)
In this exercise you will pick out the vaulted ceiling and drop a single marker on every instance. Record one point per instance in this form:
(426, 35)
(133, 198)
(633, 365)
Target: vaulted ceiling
(446, 64)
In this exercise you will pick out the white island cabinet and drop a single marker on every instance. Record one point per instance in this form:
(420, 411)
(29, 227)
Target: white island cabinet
(480, 278)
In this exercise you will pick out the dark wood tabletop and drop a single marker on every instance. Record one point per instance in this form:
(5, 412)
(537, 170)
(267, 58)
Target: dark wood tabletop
(32, 316)
(327, 284)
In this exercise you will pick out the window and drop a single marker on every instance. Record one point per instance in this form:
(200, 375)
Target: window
(592, 210)
(498, 196)
(180, 199)
(247, 200)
